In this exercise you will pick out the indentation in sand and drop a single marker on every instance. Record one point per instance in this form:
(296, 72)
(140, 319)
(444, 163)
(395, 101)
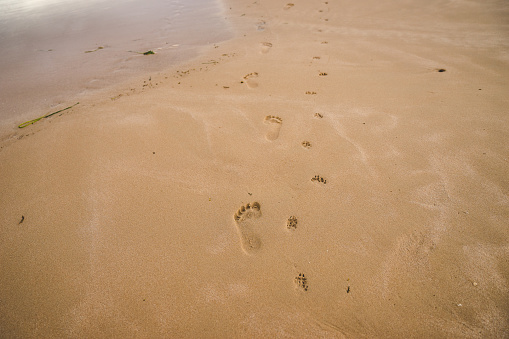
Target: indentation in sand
(265, 47)
(301, 282)
(319, 179)
(260, 25)
(245, 220)
(274, 127)
(248, 80)
(291, 223)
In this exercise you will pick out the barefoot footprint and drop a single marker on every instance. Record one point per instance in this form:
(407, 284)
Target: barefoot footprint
(319, 179)
(260, 25)
(244, 220)
(248, 79)
(301, 282)
(291, 223)
(265, 47)
(274, 127)
(306, 144)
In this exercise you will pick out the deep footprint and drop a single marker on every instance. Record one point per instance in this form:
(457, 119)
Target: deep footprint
(244, 220)
(274, 127)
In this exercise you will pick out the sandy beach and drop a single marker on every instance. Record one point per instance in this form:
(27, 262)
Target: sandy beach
(337, 169)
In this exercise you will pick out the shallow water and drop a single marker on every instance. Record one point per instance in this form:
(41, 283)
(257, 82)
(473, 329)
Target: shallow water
(53, 51)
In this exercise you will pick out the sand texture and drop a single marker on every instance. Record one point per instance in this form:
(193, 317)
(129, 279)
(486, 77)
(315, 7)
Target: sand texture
(315, 176)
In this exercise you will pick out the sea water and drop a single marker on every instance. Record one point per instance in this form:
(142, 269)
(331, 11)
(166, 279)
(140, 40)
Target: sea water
(53, 51)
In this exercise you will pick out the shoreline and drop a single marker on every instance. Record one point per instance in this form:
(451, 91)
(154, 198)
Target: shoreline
(314, 176)
(85, 62)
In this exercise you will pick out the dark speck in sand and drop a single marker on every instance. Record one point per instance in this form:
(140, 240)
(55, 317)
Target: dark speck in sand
(441, 70)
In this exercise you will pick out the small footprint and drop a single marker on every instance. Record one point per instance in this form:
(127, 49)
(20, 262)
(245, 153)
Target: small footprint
(249, 241)
(318, 178)
(318, 115)
(260, 25)
(265, 47)
(322, 74)
(306, 144)
(291, 223)
(301, 282)
(288, 6)
(248, 79)
(310, 92)
(274, 127)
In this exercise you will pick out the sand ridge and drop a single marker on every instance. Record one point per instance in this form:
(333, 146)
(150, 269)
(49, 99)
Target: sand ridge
(315, 176)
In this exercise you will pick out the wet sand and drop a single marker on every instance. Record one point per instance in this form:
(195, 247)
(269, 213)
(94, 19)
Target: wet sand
(338, 169)
(59, 51)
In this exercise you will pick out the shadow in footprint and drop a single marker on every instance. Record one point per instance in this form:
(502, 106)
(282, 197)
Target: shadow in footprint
(274, 127)
(245, 222)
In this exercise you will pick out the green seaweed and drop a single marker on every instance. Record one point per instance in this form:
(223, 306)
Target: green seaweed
(144, 53)
(25, 124)
(98, 48)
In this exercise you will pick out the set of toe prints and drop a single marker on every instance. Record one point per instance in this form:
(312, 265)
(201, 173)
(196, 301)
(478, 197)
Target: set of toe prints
(246, 221)
(246, 216)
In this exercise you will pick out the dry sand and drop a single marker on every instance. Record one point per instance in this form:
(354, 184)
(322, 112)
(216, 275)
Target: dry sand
(377, 186)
